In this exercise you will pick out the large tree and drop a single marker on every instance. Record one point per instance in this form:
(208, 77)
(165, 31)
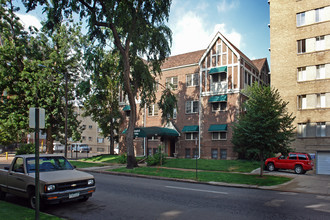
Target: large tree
(32, 68)
(138, 29)
(265, 126)
(100, 91)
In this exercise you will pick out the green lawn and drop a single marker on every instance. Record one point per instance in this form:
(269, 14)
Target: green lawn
(207, 176)
(81, 164)
(10, 211)
(214, 165)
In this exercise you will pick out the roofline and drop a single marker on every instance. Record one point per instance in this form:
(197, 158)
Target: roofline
(178, 67)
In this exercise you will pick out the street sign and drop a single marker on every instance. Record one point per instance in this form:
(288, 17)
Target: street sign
(32, 119)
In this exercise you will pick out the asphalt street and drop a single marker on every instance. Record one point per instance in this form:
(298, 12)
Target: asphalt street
(122, 197)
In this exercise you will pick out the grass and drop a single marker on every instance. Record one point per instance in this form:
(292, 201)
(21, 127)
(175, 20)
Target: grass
(80, 164)
(214, 165)
(207, 176)
(10, 211)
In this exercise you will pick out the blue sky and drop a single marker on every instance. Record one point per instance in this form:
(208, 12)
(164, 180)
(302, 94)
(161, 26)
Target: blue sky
(194, 23)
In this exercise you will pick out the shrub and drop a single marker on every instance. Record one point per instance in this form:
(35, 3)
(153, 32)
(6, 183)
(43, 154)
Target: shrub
(26, 149)
(157, 159)
(122, 159)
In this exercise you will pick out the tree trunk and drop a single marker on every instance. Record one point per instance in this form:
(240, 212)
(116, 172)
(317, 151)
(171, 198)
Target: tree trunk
(131, 161)
(112, 142)
(49, 141)
(261, 164)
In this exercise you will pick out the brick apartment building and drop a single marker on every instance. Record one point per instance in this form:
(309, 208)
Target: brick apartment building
(208, 85)
(300, 70)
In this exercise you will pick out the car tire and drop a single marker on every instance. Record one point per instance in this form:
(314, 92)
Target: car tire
(270, 167)
(32, 200)
(298, 169)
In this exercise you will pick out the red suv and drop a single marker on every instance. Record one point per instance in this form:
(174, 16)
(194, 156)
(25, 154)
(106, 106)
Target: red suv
(299, 162)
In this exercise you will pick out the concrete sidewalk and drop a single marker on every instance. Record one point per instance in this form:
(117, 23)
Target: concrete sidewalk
(307, 183)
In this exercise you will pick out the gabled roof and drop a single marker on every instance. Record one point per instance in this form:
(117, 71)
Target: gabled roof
(183, 59)
(259, 63)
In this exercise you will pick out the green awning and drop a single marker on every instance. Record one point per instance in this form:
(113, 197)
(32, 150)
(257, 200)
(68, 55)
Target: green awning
(218, 70)
(153, 131)
(191, 128)
(218, 98)
(127, 108)
(219, 127)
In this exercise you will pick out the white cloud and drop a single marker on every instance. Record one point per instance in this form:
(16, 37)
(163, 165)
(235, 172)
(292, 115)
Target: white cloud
(191, 33)
(29, 20)
(224, 6)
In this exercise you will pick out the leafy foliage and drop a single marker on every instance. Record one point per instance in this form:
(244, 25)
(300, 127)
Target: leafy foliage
(32, 69)
(157, 159)
(265, 127)
(26, 149)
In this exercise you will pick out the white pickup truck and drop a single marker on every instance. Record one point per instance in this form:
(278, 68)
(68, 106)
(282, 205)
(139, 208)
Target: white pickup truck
(59, 180)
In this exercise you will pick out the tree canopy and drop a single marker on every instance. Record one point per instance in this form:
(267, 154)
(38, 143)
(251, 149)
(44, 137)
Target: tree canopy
(138, 30)
(264, 127)
(32, 67)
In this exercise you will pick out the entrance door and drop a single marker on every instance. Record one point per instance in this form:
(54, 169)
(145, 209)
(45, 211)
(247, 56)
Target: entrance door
(170, 147)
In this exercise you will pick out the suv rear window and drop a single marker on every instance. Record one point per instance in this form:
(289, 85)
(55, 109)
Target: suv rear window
(302, 157)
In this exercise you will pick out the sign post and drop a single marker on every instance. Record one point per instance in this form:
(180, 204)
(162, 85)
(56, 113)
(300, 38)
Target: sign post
(37, 121)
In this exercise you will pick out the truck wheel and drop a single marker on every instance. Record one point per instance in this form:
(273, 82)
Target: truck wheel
(270, 167)
(298, 169)
(2, 195)
(32, 200)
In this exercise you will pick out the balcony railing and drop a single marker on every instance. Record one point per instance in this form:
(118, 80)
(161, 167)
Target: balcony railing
(219, 87)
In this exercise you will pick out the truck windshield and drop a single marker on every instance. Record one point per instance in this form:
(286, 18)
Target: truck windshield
(47, 164)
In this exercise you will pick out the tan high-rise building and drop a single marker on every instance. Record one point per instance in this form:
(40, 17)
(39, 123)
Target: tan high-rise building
(300, 70)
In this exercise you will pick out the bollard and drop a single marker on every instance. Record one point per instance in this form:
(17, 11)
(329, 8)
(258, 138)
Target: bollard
(6, 155)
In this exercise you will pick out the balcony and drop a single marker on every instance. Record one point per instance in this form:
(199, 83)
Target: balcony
(219, 87)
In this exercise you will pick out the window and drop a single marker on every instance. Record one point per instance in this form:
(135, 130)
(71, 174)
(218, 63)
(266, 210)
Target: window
(154, 151)
(192, 79)
(300, 19)
(90, 126)
(83, 127)
(99, 130)
(100, 149)
(18, 166)
(301, 46)
(219, 106)
(195, 153)
(175, 112)
(83, 138)
(319, 14)
(320, 72)
(100, 140)
(219, 49)
(302, 132)
(90, 138)
(320, 43)
(301, 73)
(219, 135)
(191, 107)
(219, 77)
(247, 78)
(320, 100)
(149, 151)
(187, 153)
(223, 154)
(172, 82)
(214, 153)
(302, 104)
(302, 157)
(153, 110)
(292, 156)
(321, 129)
(191, 136)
